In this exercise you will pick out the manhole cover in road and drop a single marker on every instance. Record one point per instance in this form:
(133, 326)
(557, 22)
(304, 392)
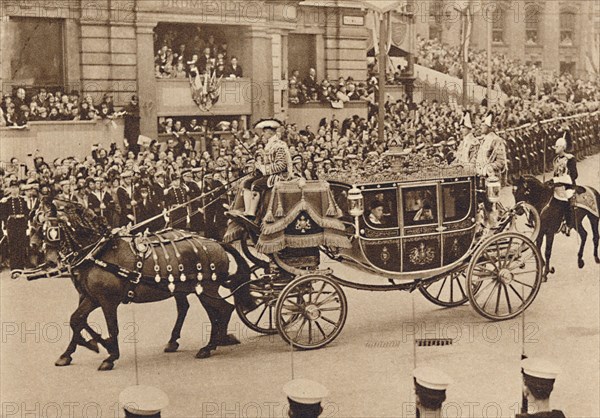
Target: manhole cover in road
(433, 342)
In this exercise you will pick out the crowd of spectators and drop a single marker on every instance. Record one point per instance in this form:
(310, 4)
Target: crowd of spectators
(338, 92)
(333, 143)
(203, 57)
(514, 78)
(17, 109)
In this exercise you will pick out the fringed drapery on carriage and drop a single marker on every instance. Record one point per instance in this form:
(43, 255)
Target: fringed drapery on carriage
(301, 214)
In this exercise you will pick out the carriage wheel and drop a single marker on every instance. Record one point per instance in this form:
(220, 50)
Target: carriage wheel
(311, 311)
(525, 220)
(504, 276)
(449, 291)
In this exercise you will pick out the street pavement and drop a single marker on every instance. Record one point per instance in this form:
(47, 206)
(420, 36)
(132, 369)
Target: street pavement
(367, 368)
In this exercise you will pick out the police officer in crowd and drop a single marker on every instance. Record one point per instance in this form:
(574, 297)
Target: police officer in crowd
(430, 391)
(193, 191)
(174, 202)
(126, 197)
(539, 376)
(14, 216)
(143, 401)
(304, 398)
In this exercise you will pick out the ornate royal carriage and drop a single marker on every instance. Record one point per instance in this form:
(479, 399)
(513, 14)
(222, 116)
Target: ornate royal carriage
(408, 224)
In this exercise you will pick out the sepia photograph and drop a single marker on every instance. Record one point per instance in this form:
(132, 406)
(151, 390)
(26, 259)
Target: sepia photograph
(299, 208)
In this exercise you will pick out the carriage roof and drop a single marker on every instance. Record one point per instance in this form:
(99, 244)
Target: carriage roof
(410, 174)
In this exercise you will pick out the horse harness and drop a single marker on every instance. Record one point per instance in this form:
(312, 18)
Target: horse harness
(143, 247)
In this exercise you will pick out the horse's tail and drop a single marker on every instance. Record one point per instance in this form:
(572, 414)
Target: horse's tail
(240, 278)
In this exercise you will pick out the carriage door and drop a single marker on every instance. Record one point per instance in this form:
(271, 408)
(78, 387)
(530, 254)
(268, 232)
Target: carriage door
(422, 228)
(457, 217)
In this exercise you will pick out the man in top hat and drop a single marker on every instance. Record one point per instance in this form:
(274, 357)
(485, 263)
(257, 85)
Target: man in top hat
(14, 216)
(430, 391)
(143, 401)
(277, 165)
(539, 376)
(468, 146)
(564, 176)
(126, 198)
(193, 191)
(177, 196)
(304, 398)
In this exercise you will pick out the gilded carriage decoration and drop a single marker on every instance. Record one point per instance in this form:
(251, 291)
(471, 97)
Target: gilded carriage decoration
(421, 255)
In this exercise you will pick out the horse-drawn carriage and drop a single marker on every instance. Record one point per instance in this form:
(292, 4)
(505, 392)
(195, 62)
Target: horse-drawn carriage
(423, 233)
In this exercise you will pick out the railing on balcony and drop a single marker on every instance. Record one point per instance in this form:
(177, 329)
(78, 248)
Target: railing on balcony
(174, 98)
(59, 138)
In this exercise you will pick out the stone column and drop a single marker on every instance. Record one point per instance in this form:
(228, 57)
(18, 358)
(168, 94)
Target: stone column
(146, 85)
(259, 58)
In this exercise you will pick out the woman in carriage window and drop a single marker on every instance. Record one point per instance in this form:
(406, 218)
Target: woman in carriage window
(425, 212)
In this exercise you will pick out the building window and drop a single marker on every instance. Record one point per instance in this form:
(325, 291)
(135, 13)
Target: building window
(302, 56)
(435, 19)
(567, 28)
(532, 18)
(34, 54)
(498, 25)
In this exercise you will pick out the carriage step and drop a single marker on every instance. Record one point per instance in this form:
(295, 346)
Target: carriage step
(433, 342)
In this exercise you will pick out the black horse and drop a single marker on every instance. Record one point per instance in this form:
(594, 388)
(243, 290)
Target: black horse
(105, 267)
(538, 194)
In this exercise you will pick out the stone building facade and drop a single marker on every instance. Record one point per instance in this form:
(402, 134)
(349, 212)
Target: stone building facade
(109, 46)
(556, 35)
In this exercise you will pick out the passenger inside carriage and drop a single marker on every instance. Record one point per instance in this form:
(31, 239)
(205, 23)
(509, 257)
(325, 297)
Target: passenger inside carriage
(419, 206)
(382, 206)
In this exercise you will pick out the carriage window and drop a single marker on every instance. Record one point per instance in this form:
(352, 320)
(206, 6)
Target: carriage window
(457, 201)
(419, 205)
(381, 208)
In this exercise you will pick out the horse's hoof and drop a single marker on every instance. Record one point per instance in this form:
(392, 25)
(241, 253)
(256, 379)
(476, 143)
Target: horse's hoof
(171, 347)
(203, 352)
(229, 339)
(580, 263)
(597, 260)
(106, 365)
(63, 361)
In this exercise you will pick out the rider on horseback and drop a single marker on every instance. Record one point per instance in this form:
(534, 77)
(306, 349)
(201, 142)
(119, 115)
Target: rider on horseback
(565, 174)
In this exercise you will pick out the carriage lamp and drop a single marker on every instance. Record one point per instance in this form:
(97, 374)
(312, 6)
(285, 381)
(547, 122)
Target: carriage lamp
(356, 202)
(492, 186)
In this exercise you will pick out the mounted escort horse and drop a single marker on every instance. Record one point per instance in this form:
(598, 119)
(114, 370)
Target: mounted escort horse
(110, 268)
(587, 204)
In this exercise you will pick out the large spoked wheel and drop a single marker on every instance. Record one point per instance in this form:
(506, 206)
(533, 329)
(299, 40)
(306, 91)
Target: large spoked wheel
(264, 289)
(504, 276)
(525, 220)
(264, 292)
(449, 291)
(311, 311)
